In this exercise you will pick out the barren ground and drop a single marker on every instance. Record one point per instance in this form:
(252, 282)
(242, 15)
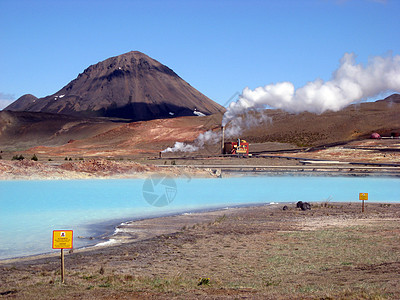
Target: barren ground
(86, 169)
(330, 252)
(367, 150)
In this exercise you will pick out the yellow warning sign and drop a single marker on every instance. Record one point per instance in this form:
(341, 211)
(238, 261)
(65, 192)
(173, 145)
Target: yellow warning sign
(363, 196)
(62, 239)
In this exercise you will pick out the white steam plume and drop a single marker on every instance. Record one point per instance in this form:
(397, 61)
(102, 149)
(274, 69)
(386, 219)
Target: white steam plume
(350, 83)
(181, 147)
(246, 121)
(203, 138)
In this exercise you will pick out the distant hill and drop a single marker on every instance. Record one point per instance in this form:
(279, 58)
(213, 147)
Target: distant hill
(22, 130)
(307, 129)
(131, 86)
(22, 103)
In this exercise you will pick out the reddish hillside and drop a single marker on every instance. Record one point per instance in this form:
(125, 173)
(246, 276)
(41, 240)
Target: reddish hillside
(103, 139)
(134, 139)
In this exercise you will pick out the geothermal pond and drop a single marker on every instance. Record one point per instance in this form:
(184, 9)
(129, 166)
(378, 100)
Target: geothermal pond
(31, 210)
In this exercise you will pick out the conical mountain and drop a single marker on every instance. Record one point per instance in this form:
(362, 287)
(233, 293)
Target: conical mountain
(132, 86)
(22, 103)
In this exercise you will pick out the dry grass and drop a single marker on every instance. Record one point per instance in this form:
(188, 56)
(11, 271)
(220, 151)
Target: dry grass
(259, 253)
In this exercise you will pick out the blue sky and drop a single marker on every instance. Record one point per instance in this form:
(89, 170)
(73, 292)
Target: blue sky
(219, 47)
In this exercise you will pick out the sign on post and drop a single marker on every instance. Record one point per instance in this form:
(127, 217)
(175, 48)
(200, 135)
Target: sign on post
(62, 239)
(363, 197)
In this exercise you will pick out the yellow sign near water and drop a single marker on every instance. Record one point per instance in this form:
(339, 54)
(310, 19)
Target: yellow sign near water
(62, 239)
(363, 196)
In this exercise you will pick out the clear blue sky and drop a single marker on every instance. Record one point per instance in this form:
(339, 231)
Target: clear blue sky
(219, 47)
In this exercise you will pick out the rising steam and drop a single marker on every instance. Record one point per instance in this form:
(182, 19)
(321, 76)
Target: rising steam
(350, 83)
(181, 147)
(208, 136)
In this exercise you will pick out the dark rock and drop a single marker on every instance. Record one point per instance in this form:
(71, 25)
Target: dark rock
(305, 206)
(8, 292)
(285, 207)
(298, 204)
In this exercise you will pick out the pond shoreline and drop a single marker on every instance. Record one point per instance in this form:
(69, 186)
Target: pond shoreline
(98, 210)
(229, 247)
(106, 169)
(117, 232)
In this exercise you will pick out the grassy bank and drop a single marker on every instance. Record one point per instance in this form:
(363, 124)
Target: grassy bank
(331, 252)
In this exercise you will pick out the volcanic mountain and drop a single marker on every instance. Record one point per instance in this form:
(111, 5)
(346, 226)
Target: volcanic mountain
(131, 86)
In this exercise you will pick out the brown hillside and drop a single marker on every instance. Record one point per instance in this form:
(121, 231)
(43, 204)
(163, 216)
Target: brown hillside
(308, 129)
(134, 139)
(22, 130)
(101, 138)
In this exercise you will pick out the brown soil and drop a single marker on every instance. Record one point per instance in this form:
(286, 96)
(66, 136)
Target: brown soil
(332, 251)
(23, 130)
(100, 168)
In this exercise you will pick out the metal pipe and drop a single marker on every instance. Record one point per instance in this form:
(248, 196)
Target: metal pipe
(223, 140)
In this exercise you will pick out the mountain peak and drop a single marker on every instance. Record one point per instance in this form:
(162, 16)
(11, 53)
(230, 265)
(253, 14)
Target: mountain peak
(131, 85)
(130, 63)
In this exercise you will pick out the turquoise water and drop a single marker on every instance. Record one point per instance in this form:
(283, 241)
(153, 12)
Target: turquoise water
(31, 210)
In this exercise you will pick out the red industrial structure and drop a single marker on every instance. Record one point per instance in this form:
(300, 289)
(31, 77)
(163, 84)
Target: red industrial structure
(241, 147)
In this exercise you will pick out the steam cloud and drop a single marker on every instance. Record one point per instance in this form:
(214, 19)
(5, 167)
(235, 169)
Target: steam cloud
(208, 136)
(182, 147)
(350, 83)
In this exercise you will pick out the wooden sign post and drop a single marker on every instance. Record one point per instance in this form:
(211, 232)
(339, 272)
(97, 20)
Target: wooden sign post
(363, 197)
(62, 239)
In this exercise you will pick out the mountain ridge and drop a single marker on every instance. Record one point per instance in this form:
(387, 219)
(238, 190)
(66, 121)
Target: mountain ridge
(132, 86)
